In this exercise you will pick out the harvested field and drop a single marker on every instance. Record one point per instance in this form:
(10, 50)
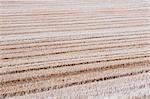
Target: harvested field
(74, 49)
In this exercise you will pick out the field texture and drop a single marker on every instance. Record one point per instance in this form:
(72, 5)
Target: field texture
(75, 49)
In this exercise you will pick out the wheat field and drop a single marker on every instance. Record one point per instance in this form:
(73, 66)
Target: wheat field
(75, 49)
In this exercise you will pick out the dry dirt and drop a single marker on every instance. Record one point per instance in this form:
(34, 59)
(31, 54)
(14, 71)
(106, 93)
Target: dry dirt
(74, 49)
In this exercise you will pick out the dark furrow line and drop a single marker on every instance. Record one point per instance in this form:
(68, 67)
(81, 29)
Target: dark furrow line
(76, 38)
(47, 46)
(57, 46)
(73, 23)
(75, 26)
(70, 49)
(10, 3)
(64, 10)
(43, 14)
(44, 62)
(72, 84)
(77, 18)
(58, 11)
(71, 64)
(63, 52)
(85, 15)
(47, 77)
(67, 30)
(72, 13)
(39, 62)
